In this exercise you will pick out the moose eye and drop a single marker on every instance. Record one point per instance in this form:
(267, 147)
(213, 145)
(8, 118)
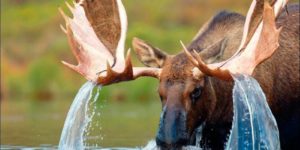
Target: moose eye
(195, 94)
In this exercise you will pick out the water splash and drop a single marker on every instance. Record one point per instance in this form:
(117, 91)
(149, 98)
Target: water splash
(152, 146)
(254, 126)
(78, 118)
(92, 133)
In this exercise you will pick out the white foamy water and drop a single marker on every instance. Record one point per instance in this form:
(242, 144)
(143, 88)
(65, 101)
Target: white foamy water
(77, 120)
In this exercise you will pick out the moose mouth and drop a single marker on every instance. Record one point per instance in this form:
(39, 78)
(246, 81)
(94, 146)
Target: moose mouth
(193, 142)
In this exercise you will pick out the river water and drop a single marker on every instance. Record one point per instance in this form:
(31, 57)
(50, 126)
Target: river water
(254, 126)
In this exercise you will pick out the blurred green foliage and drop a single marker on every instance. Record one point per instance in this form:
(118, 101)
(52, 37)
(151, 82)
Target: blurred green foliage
(32, 44)
(40, 79)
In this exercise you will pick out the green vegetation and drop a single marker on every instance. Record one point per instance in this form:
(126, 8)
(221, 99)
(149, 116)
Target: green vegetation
(32, 44)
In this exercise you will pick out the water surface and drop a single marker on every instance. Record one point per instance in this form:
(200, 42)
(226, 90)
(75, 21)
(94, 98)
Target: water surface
(26, 123)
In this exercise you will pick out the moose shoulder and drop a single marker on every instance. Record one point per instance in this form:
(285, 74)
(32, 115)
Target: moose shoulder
(190, 103)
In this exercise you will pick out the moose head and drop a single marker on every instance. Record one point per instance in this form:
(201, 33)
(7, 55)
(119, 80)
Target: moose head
(97, 32)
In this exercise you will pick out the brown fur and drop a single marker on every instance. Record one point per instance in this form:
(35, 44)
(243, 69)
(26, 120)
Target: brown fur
(279, 78)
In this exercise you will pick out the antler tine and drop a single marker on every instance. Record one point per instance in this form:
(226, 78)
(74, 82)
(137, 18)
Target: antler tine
(75, 68)
(202, 65)
(113, 77)
(108, 77)
(71, 41)
(210, 70)
(63, 28)
(189, 54)
(204, 68)
(128, 63)
(76, 49)
(68, 31)
(109, 71)
(66, 18)
(69, 6)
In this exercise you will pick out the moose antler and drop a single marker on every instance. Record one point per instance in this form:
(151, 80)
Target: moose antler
(259, 42)
(96, 34)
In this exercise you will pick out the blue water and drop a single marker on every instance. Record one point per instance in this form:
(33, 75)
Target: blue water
(254, 126)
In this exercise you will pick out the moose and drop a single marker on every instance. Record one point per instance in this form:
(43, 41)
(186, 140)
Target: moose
(195, 86)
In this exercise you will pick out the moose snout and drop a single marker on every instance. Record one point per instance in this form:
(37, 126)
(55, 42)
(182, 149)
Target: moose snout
(172, 133)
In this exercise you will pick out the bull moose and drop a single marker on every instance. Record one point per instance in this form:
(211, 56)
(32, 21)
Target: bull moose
(195, 86)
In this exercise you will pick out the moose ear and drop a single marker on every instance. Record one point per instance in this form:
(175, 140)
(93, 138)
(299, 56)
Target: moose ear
(147, 54)
(214, 52)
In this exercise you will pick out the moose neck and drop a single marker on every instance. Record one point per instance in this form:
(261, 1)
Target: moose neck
(222, 91)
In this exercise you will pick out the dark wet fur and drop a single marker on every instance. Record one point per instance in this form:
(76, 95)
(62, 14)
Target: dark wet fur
(278, 76)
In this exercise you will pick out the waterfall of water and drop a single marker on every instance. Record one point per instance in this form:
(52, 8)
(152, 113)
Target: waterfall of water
(78, 117)
(254, 126)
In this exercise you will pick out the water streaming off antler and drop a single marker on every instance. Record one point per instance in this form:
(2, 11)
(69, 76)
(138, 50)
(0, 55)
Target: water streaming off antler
(78, 118)
(254, 126)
